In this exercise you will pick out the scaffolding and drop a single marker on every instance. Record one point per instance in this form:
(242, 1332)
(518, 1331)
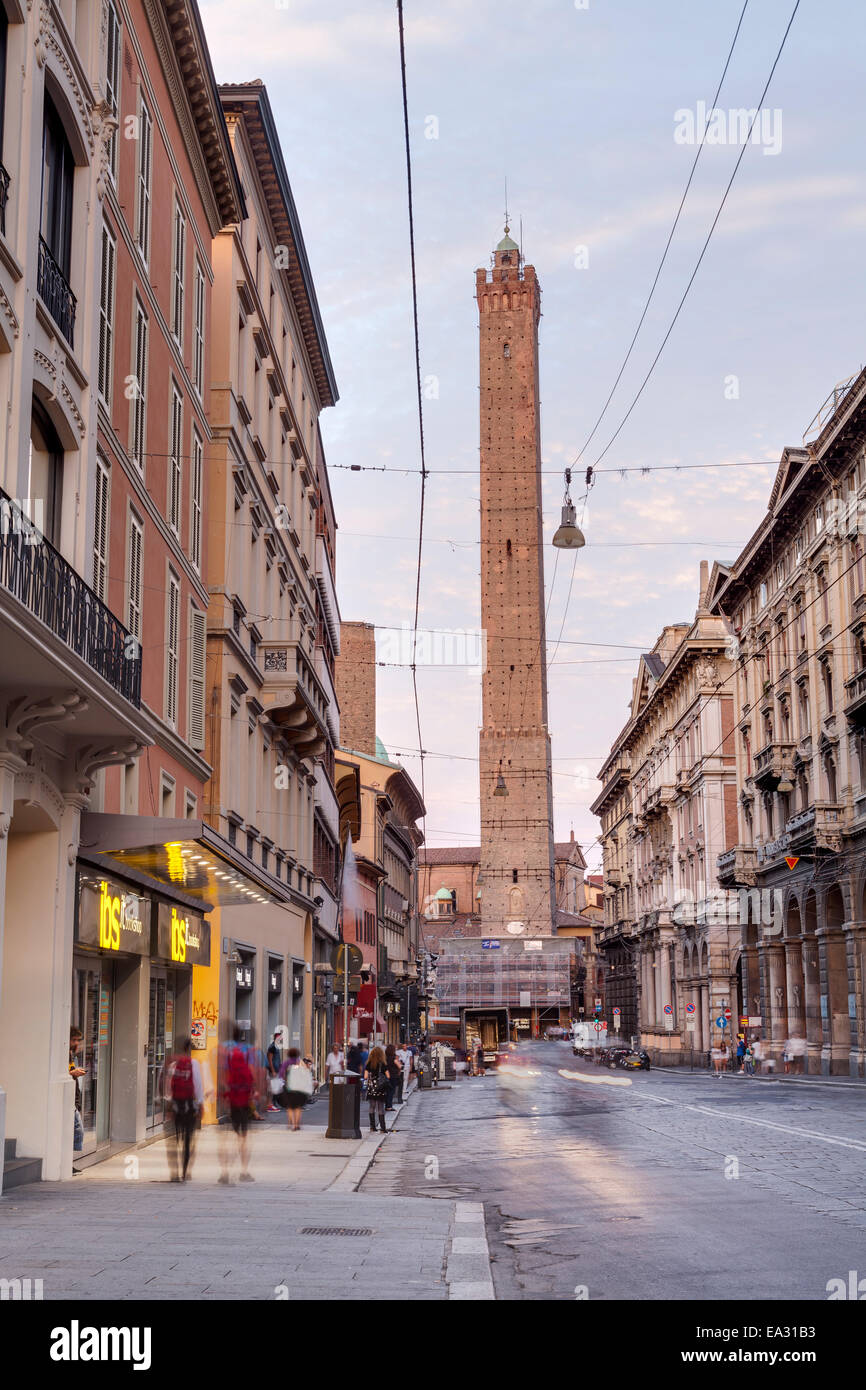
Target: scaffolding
(499, 979)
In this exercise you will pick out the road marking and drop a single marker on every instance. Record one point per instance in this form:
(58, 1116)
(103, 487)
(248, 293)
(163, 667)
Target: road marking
(765, 1124)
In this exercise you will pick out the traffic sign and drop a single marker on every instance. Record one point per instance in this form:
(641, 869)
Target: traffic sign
(338, 958)
(601, 1027)
(669, 1008)
(727, 1013)
(690, 1008)
(490, 945)
(598, 1003)
(792, 860)
(721, 1023)
(617, 1012)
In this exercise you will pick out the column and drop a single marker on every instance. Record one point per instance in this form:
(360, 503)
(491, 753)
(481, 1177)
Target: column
(857, 932)
(8, 767)
(812, 1001)
(704, 1016)
(776, 999)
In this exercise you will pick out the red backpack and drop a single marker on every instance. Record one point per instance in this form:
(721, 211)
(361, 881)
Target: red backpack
(239, 1079)
(182, 1087)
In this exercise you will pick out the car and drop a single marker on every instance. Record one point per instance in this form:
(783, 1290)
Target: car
(610, 1056)
(632, 1061)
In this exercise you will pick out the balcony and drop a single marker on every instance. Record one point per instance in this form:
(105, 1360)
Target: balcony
(4, 197)
(55, 293)
(37, 575)
(819, 827)
(294, 699)
(736, 867)
(855, 707)
(771, 762)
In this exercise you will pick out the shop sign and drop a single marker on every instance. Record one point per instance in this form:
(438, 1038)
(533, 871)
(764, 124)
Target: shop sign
(298, 982)
(244, 976)
(275, 981)
(182, 936)
(112, 917)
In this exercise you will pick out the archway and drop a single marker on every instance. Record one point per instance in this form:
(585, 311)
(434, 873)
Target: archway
(794, 983)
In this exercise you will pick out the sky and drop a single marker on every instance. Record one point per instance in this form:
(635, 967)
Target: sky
(580, 106)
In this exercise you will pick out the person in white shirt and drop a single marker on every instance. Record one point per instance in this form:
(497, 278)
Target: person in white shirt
(334, 1062)
(404, 1058)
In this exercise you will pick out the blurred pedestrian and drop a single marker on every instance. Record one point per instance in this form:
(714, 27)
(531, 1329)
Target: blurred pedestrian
(394, 1074)
(353, 1057)
(298, 1078)
(334, 1061)
(749, 1061)
(238, 1090)
(404, 1057)
(274, 1063)
(185, 1095)
(76, 1071)
(741, 1051)
(365, 1053)
(479, 1060)
(376, 1074)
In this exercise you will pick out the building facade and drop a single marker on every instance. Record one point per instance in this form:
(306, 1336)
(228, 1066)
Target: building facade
(102, 604)
(514, 745)
(796, 599)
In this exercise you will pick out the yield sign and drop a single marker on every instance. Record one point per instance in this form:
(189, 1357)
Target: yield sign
(792, 861)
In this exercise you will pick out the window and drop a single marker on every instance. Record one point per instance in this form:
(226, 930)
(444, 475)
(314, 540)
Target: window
(819, 518)
(830, 773)
(801, 628)
(197, 636)
(4, 183)
(55, 247)
(166, 794)
(45, 475)
(857, 571)
(763, 594)
(190, 805)
(112, 78)
(828, 690)
(175, 465)
(106, 313)
(195, 500)
(177, 286)
(138, 388)
(171, 648)
(824, 596)
(134, 549)
(198, 331)
(145, 161)
(100, 529)
(804, 711)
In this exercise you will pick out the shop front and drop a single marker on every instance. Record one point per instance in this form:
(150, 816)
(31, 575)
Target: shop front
(131, 1003)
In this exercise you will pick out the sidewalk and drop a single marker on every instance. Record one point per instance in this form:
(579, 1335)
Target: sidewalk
(792, 1079)
(122, 1230)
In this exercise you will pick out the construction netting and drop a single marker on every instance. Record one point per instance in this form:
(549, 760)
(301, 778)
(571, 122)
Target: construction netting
(495, 978)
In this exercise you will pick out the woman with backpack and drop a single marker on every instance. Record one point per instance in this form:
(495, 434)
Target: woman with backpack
(298, 1087)
(376, 1075)
(186, 1096)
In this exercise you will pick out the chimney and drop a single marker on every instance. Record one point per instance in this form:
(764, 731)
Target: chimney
(355, 672)
(705, 584)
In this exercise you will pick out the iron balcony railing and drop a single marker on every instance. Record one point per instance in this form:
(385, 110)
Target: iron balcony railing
(39, 578)
(55, 293)
(4, 197)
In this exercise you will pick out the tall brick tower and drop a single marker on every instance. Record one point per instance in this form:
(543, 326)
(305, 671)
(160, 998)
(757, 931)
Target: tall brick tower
(517, 857)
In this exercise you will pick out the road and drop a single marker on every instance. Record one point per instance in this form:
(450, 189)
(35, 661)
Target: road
(659, 1185)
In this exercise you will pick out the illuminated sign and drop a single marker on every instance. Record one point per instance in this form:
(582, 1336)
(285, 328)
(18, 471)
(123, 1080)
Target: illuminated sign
(112, 917)
(182, 937)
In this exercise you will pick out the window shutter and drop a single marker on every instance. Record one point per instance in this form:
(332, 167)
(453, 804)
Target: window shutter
(195, 501)
(171, 650)
(106, 314)
(133, 621)
(174, 481)
(197, 637)
(139, 400)
(100, 530)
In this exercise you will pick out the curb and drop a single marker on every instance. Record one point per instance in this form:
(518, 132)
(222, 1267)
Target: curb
(467, 1267)
(350, 1179)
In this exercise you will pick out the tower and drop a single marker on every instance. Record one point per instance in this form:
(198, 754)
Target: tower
(517, 863)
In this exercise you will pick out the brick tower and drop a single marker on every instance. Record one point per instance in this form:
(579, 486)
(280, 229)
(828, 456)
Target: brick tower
(517, 864)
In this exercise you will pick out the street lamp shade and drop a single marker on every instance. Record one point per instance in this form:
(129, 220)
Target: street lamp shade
(500, 789)
(569, 536)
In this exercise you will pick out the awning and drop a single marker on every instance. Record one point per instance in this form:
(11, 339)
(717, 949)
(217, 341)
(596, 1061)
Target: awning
(187, 857)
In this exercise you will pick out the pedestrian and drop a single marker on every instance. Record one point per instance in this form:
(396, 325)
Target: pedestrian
(274, 1059)
(749, 1061)
(76, 1071)
(404, 1057)
(334, 1061)
(716, 1055)
(741, 1051)
(238, 1090)
(353, 1057)
(298, 1078)
(185, 1094)
(394, 1074)
(786, 1055)
(376, 1074)
(758, 1055)
(479, 1060)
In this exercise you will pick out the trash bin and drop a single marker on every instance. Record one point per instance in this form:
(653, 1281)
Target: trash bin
(344, 1107)
(425, 1072)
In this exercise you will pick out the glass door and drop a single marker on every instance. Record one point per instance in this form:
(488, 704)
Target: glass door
(160, 1042)
(92, 999)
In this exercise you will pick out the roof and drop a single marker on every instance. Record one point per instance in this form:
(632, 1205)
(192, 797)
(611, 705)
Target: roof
(381, 750)
(506, 244)
(249, 100)
(596, 879)
(572, 919)
(471, 854)
(444, 894)
(654, 663)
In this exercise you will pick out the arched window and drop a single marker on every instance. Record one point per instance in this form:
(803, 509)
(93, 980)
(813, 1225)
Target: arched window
(45, 481)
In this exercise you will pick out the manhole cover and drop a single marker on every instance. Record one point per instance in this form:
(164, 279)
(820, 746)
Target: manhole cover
(337, 1231)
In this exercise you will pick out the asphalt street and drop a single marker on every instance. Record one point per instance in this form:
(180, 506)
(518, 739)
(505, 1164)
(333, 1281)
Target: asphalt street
(601, 1184)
